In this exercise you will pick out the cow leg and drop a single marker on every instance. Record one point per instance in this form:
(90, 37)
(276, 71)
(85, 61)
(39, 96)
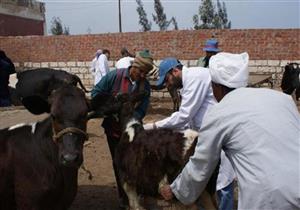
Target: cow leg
(297, 93)
(132, 197)
(207, 201)
(175, 97)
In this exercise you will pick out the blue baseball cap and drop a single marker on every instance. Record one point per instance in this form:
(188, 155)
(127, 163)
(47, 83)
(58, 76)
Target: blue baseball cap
(165, 66)
(211, 45)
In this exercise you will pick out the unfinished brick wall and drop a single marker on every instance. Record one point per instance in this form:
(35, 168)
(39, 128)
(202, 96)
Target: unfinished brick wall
(261, 44)
(269, 50)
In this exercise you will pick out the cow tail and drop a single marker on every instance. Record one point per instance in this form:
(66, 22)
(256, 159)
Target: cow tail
(81, 85)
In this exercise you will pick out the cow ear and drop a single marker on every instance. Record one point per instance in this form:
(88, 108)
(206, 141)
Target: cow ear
(36, 104)
(103, 105)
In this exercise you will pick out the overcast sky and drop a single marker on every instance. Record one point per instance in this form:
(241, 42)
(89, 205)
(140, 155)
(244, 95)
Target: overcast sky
(101, 16)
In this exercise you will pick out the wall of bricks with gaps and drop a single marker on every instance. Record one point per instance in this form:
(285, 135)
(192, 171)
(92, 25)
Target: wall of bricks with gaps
(261, 44)
(269, 49)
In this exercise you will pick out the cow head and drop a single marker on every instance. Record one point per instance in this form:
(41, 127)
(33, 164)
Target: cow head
(122, 105)
(68, 108)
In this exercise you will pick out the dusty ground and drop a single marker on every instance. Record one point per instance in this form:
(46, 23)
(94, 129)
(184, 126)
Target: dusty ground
(100, 192)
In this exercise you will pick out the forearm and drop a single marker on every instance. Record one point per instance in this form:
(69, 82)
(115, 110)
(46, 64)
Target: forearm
(195, 175)
(177, 120)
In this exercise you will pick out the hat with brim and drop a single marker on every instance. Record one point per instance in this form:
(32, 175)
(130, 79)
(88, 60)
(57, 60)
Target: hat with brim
(211, 45)
(143, 61)
(165, 66)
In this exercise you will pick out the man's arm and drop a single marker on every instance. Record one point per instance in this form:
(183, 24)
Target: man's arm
(141, 109)
(195, 175)
(193, 95)
(105, 85)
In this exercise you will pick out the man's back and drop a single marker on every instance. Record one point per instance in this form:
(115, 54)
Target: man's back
(102, 68)
(262, 129)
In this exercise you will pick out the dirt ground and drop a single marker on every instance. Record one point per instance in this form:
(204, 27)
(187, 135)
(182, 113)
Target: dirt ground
(99, 193)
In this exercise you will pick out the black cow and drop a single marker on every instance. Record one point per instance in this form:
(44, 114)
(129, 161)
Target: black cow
(148, 159)
(41, 82)
(39, 162)
(291, 80)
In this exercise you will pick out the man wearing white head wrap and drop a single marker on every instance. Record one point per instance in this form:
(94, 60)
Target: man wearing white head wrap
(229, 69)
(94, 62)
(259, 131)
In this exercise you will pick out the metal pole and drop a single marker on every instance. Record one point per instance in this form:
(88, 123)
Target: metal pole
(120, 19)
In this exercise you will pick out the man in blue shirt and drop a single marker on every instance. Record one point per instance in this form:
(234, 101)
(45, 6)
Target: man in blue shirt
(210, 49)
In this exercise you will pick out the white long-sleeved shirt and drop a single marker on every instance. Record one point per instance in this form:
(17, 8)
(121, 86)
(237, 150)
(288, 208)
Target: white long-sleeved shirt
(196, 98)
(102, 68)
(93, 66)
(124, 62)
(259, 130)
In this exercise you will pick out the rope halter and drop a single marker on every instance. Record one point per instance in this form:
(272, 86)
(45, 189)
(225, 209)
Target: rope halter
(70, 130)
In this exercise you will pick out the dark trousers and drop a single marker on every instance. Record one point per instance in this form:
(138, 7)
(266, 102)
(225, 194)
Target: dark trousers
(113, 143)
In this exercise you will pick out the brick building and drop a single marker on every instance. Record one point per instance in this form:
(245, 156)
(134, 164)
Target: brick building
(22, 17)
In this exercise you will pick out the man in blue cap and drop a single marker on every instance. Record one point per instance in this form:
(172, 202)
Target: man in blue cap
(211, 48)
(196, 93)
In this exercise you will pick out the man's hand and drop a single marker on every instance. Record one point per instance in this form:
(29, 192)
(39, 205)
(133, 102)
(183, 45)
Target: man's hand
(149, 126)
(166, 192)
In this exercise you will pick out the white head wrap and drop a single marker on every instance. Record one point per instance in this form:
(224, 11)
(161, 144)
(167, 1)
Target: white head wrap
(98, 52)
(229, 69)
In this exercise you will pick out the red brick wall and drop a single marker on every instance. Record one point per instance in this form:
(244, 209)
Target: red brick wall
(261, 44)
(17, 26)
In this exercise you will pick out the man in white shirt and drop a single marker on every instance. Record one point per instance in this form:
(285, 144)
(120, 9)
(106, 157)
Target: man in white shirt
(94, 61)
(102, 67)
(259, 130)
(126, 59)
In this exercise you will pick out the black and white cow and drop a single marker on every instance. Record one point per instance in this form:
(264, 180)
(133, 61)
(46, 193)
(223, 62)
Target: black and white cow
(146, 160)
